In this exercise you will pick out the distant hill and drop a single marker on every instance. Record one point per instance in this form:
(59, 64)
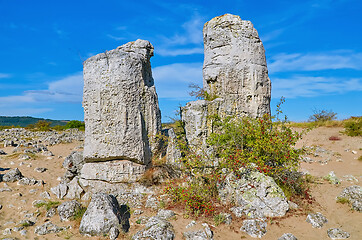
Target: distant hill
(25, 121)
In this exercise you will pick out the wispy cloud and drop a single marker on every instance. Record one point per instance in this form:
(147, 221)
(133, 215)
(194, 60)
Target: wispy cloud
(172, 80)
(301, 86)
(5, 75)
(188, 41)
(315, 61)
(68, 89)
(115, 37)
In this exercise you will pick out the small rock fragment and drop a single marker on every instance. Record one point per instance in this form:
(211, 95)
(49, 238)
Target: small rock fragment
(317, 220)
(254, 227)
(336, 233)
(287, 236)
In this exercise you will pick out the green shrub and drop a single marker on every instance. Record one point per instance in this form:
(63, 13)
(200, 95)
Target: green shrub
(240, 143)
(75, 124)
(353, 126)
(47, 205)
(322, 116)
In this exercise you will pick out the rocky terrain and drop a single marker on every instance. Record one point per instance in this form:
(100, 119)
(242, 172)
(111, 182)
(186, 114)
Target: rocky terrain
(108, 183)
(21, 215)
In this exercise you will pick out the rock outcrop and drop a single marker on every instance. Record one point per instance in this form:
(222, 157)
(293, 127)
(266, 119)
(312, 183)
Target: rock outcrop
(235, 77)
(103, 214)
(254, 195)
(121, 111)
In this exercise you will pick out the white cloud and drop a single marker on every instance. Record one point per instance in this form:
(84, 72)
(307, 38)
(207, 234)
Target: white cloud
(115, 37)
(24, 111)
(172, 80)
(4, 75)
(68, 89)
(186, 42)
(179, 52)
(315, 61)
(300, 86)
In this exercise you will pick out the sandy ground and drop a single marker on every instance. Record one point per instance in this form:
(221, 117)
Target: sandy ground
(342, 161)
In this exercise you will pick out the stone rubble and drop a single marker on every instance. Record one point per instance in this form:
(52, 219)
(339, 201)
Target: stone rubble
(317, 220)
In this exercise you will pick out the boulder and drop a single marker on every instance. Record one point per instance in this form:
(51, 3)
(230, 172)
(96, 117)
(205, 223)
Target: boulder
(336, 233)
(156, 229)
(47, 228)
(121, 111)
(287, 236)
(204, 233)
(60, 190)
(73, 163)
(104, 213)
(254, 195)
(353, 195)
(12, 175)
(317, 220)
(256, 228)
(68, 209)
(74, 190)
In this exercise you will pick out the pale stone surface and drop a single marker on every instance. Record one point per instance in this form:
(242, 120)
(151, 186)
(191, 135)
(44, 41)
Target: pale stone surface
(317, 220)
(204, 233)
(287, 236)
(103, 214)
(336, 233)
(113, 171)
(235, 66)
(254, 195)
(235, 77)
(68, 209)
(74, 190)
(173, 152)
(256, 228)
(353, 195)
(156, 229)
(121, 111)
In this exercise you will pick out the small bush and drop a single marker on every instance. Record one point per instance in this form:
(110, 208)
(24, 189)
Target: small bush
(75, 124)
(353, 126)
(322, 116)
(342, 200)
(219, 218)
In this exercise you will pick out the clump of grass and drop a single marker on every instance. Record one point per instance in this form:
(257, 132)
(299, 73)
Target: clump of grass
(79, 214)
(360, 158)
(47, 205)
(219, 218)
(342, 200)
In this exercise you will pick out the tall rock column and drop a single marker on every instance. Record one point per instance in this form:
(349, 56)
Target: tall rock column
(235, 75)
(121, 112)
(235, 66)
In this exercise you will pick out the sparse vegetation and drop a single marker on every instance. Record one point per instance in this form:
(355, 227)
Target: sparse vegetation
(219, 218)
(322, 116)
(78, 214)
(342, 200)
(48, 205)
(353, 126)
(240, 143)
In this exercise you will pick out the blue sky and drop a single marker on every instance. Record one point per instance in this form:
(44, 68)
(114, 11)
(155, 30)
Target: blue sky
(313, 50)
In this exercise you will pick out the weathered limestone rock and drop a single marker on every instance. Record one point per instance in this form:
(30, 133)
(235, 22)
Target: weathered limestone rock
(353, 195)
(121, 111)
(256, 228)
(173, 152)
(287, 236)
(317, 220)
(254, 195)
(47, 228)
(73, 163)
(336, 233)
(204, 233)
(113, 171)
(235, 77)
(68, 209)
(103, 213)
(156, 229)
(235, 66)
(13, 175)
